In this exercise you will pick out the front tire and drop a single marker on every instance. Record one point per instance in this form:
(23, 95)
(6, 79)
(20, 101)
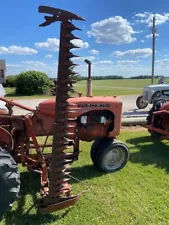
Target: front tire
(140, 104)
(110, 156)
(9, 181)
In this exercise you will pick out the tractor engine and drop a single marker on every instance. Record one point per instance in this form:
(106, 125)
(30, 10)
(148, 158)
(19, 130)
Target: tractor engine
(96, 117)
(95, 124)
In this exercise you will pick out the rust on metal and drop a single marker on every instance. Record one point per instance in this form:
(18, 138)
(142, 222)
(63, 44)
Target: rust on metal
(60, 191)
(57, 15)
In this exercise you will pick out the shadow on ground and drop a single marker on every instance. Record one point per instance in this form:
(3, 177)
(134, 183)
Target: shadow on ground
(150, 151)
(30, 185)
(86, 172)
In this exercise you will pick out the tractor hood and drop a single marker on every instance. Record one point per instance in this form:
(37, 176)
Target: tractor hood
(85, 103)
(157, 87)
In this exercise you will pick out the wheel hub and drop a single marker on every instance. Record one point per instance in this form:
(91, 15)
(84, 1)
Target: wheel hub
(114, 158)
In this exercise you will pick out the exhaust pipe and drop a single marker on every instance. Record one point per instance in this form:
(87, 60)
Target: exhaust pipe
(89, 80)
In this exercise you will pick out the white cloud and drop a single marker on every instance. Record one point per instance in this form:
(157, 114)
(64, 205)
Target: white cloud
(114, 30)
(127, 61)
(104, 62)
(17, 50)
(142, 41)
(51, 44)
(138, 53)
(142, 15)
(122, 69)
(151, 35)
(90, 58)
(33, 63)
(162, 66)
(80, 43)
(147, 18)
(94, 52)
(49, 69)
(13, 65)
(162, 61)
(49, 56)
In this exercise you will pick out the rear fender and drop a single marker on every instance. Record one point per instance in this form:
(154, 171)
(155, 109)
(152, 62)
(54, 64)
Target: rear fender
(6, 137)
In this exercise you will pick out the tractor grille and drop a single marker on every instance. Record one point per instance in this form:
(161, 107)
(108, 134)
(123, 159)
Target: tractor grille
(145, 96)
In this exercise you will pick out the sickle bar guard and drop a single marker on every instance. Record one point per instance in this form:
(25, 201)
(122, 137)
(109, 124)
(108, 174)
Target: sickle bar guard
(57, 195)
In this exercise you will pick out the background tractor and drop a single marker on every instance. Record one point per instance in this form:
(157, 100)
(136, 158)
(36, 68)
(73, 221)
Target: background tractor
(68, 120)
(153, 94)
(158, 120)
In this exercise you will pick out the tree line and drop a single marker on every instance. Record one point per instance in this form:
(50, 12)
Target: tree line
(35, 82)
(116, 77)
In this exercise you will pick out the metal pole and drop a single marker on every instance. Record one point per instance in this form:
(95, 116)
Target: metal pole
(153, 50)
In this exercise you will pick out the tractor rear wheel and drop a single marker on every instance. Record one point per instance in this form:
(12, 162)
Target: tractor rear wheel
(9, 181)
(140, 104)
(110, 156)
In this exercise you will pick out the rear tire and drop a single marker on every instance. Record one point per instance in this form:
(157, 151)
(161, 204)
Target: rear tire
(109, 155)
(140, 104)
(9, 181)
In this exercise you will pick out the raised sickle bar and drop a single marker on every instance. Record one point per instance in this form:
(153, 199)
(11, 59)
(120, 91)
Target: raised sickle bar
(57, 15)
(58, 195)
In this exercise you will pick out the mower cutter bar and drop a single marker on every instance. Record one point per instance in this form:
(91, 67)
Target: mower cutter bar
(64, 203)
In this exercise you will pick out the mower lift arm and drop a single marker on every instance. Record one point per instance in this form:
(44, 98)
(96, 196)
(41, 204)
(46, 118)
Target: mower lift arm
(13, 103)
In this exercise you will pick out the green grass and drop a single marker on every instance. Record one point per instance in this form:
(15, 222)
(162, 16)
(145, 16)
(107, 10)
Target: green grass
(136, 195)
(136, 83)
(108, 91)
(100, 87)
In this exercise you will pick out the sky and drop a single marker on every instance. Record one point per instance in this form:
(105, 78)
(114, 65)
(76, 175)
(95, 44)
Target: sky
(116, 36)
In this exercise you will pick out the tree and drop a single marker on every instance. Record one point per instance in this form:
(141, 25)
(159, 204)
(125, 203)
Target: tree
(10, 81)
(32, 82)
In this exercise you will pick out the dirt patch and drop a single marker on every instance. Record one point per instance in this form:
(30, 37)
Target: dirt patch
(134, 128)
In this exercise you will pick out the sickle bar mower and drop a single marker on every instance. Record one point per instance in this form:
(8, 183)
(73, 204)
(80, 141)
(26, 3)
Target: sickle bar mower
(59, 196)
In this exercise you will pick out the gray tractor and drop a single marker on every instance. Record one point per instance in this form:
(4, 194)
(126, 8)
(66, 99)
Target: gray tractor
(153, 94)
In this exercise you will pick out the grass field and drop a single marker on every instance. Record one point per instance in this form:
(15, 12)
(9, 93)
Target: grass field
(136, 195)
(101, 87)
(126, 83)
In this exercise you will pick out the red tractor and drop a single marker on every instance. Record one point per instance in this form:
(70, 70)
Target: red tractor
(158, 120)
(68, 120)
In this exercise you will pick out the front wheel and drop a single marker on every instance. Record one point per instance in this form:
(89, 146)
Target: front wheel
(111, 156)
(140, 103)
